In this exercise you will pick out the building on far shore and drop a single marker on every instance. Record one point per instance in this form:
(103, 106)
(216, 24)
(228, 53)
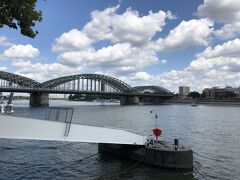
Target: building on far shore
(221, 93)
(184, 90)
(237, 91)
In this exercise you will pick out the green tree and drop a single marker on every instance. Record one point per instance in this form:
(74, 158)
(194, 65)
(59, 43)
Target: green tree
(194, 95)
(20, 14)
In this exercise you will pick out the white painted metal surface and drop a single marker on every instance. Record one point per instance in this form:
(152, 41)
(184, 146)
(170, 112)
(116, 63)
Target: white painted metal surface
(26, 128)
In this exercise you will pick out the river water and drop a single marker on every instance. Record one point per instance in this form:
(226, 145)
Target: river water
(213, 132)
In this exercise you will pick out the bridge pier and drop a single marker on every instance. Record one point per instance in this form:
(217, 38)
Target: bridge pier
(129, 100)
(39, 99)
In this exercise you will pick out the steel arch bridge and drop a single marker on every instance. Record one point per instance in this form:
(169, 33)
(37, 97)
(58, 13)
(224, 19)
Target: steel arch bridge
(95, 80)
(80, 83)
(157, 90)
(15, 80)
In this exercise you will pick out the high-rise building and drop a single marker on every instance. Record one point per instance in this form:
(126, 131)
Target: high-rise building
(184, 90)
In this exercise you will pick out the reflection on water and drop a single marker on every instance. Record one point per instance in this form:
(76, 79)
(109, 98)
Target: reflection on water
(212, 132)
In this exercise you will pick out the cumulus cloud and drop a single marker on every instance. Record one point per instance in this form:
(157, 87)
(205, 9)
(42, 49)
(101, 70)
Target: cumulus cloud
(215, 66)
(121, 57)
(227, 49)
(21, 51)
(130, 27)
(128, 34)
(71, 41)
(99, 27)
(224, 11)
(127, 27)
(220, 11)
(187, 33)
(43, 71)
(219, 64)
(143, 76)
(228, 31)
(4, 41)
(130, 40)
(3, 68)
(224, 57)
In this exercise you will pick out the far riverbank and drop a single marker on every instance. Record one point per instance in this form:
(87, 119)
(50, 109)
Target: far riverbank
(209, 102)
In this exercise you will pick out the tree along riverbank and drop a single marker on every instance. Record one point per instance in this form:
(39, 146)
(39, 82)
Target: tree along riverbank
(201, 101)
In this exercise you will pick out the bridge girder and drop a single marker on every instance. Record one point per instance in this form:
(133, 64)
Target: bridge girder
(18, 79)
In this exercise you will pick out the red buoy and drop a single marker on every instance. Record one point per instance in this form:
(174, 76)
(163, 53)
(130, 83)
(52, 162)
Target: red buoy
(157, 132)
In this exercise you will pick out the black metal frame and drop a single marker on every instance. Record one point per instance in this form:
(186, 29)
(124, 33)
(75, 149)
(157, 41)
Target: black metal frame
(66, 120)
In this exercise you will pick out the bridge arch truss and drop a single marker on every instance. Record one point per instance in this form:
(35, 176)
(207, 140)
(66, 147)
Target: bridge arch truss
(157, 90)
(8, 79)
(79, 83)
(88, 82)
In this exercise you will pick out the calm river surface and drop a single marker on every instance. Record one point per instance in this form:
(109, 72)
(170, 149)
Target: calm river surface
(213, 132)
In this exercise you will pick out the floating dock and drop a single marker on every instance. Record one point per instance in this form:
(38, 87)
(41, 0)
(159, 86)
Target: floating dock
(119, 142)
(162, 154)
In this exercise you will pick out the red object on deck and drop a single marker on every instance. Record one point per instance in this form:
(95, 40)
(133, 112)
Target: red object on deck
(157, 132)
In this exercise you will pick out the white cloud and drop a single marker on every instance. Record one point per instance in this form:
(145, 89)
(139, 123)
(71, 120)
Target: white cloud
(143, 76)
(21, 52)
(128, 34)
(128, 27)
(218, 65)
(162, 61)
(215, 66)
(224, 11)
(71, 41)
(22, 63)
(187, 33)
(42, 72)
(228, 31)
(225, 57)
(3, 68)
(227, 49)
(130, 45)
(4, 41)
(220, 11)
(99, 27)
(119, 57)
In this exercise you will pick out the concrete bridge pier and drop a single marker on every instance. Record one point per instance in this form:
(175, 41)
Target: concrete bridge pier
(39, 99)
(129, 100)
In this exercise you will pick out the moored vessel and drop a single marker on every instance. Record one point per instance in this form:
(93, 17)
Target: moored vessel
(159, 153)
(155, 152)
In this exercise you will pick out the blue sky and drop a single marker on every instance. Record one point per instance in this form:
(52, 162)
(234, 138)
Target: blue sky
(159, 42)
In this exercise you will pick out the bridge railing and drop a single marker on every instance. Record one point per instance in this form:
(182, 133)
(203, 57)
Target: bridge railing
(61, 114)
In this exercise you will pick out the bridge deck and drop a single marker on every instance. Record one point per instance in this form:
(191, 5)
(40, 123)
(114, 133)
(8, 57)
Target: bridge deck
(26, 128)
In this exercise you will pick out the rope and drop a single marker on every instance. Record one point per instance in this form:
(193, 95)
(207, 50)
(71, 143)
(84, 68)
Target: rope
(31, 164)
(203, 176)
(88, 157)
(122, 172)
